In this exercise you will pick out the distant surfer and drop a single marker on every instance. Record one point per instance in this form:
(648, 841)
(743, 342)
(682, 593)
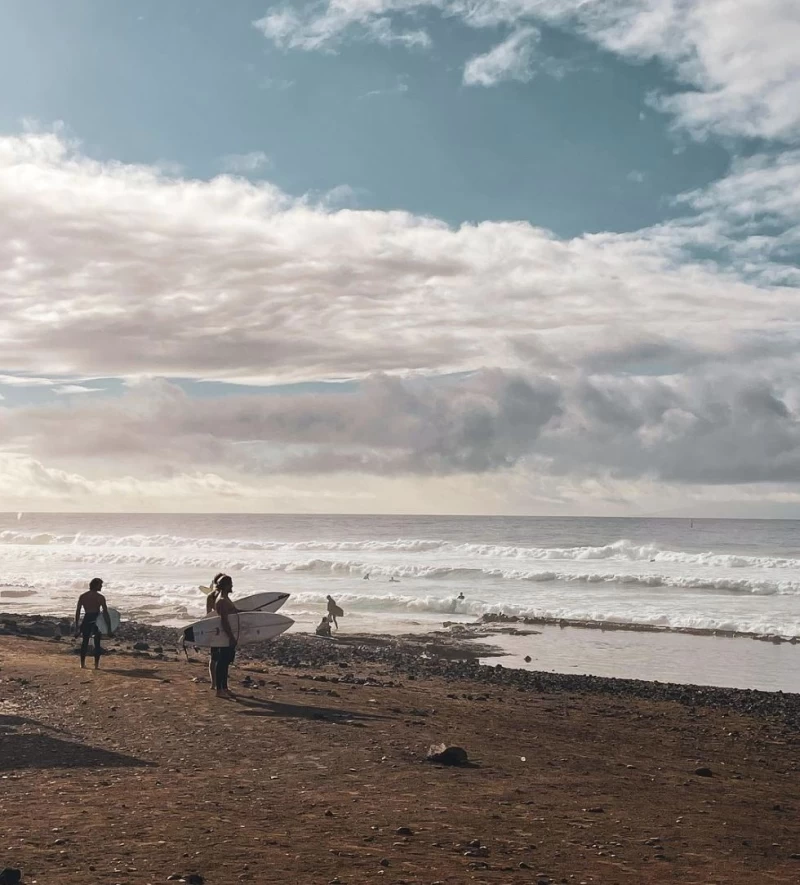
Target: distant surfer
(454, 605)
(225, 655)
(324, 627)
(211, 601)
(92, 602)
(366, 578)
(394, 580)
(334, 611)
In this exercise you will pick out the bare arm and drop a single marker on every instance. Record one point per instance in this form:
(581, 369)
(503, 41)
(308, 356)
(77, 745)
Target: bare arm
(78, 615)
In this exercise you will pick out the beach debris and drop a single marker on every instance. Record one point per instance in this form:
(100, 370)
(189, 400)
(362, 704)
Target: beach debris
(528, 659)
(10, 876)
(404, 831)
(444, 755)
(703, 772)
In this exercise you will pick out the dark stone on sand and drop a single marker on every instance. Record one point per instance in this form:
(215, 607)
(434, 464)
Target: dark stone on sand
(384, 862)
(444, 755)
(404, 831)
(704, 772)
(10, 876)
(527, 659)
(141, 646)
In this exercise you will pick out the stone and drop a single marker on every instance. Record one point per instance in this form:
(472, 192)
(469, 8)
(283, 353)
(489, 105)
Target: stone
(141, 646)
(404, 831)
(704, 772)
(444, 755)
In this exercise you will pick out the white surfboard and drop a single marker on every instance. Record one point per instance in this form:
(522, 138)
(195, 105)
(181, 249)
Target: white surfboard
(257, 602)
(103, 626)
(247, 627)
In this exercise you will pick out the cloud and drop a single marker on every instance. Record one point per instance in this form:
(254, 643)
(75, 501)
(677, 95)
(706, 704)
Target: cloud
(245, 163)
(589, 366)
(732, 78)
(233, 280)
(510, 60)
(308, 30)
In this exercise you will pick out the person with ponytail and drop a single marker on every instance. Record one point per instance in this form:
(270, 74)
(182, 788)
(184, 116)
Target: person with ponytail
(225, 655)
(211, 601)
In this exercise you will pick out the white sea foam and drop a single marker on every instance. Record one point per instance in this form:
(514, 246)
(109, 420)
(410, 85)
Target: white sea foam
(154, 576)
(620, 551)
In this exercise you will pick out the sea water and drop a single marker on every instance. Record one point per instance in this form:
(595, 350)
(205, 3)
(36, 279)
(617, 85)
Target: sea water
(406, 573)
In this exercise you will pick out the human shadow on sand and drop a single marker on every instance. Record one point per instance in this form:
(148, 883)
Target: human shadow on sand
(140, 673)
(256, 707)
(19, 749)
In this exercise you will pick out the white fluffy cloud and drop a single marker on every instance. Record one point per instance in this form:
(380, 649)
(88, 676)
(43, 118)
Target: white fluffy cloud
(736, 62)
(112, 270)
(510, 60)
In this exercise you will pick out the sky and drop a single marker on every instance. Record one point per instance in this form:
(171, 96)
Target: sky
(361, 256)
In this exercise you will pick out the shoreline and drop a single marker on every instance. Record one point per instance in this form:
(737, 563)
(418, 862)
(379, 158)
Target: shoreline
(449, 656)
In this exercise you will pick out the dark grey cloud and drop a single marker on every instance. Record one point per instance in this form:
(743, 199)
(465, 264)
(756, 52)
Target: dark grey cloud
(709, 428)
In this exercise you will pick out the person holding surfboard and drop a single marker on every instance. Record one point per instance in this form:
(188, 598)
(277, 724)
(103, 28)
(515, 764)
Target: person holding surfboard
(225, 655)
(211, 601)
(334, 611)
(92, 602)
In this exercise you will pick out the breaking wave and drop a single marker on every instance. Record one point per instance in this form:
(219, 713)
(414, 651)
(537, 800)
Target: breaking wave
(619, 551)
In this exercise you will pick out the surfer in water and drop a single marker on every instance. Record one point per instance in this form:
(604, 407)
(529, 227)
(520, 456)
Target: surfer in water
(225, 655)
(211, 601)
(92, 602)
(334, 611)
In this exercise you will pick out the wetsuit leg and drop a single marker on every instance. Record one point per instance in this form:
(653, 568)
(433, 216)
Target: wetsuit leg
(88, 630)
(225, 658)
(84, 648)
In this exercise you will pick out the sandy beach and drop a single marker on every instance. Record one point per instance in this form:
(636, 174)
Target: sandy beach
(317, 772)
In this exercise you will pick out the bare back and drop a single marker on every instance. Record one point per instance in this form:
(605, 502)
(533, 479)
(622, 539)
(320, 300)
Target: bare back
(92, 602)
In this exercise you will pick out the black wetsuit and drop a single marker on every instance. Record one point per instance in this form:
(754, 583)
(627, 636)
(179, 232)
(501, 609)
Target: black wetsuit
(225, 657)
(90, 629)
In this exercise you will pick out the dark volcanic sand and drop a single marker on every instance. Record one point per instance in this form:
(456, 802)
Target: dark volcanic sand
(140, 772)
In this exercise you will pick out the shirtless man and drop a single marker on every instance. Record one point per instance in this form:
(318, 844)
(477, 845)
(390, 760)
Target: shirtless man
(92, 602)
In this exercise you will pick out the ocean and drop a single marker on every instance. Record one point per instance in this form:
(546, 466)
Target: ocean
(401, 574)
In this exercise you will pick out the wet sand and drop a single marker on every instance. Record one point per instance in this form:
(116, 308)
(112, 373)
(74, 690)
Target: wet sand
(137, 772)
